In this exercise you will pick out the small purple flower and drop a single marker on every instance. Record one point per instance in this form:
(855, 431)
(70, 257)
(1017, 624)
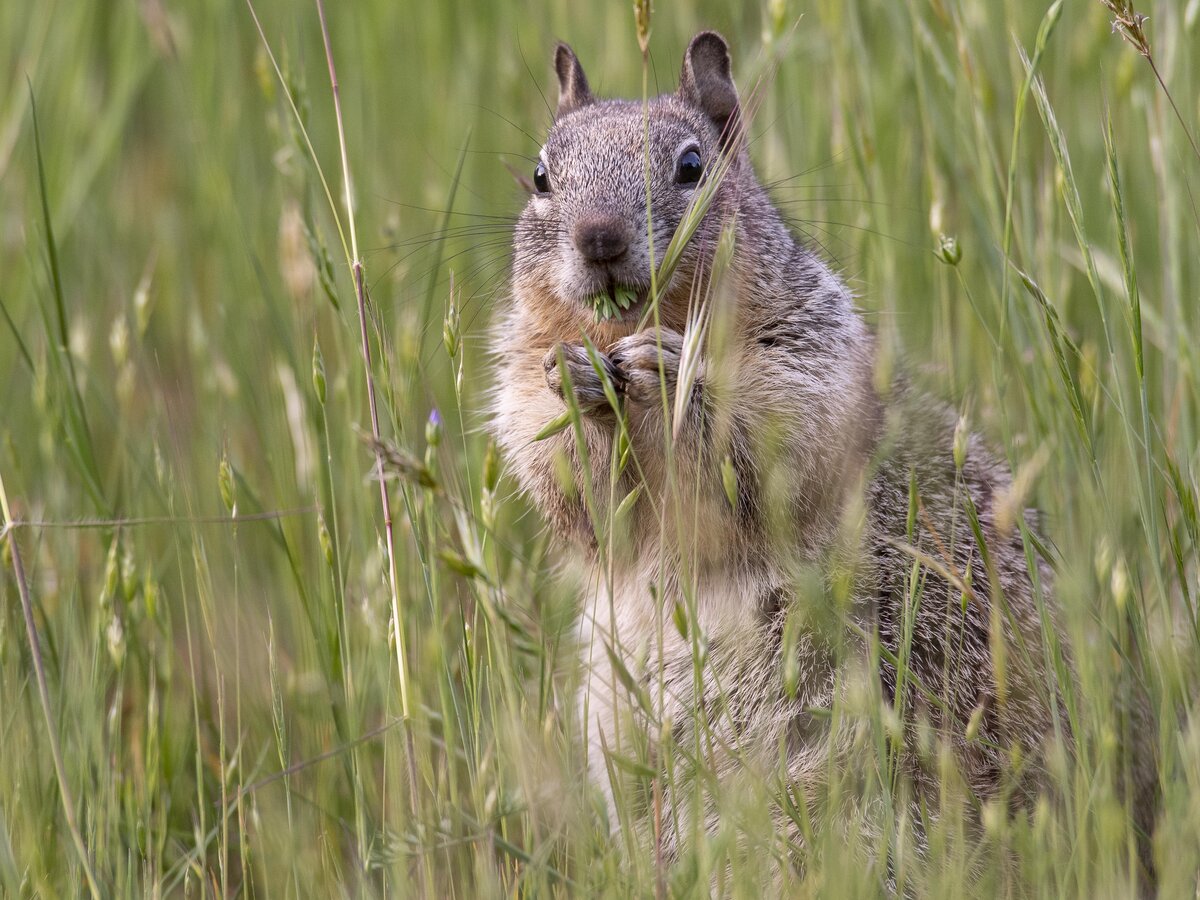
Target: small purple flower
(433, 428)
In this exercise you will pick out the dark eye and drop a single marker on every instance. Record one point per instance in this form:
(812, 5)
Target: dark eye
(541, 179)
(689, 168)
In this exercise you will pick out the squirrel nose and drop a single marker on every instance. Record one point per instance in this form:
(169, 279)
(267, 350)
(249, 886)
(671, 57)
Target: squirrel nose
(601, 238)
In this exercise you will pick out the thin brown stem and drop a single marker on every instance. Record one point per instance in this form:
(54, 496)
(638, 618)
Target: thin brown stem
(360, 292)
(1178, 115)
(361, 296)
(1131, 25)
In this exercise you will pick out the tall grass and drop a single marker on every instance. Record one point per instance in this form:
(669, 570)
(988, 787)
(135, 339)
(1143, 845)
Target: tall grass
(235, 681)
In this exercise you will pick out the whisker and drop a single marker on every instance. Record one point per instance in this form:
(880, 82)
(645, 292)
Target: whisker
(536, 82)
(507, 120)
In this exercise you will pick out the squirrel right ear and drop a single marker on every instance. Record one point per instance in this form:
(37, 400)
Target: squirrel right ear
(573, 91)
(707, 83)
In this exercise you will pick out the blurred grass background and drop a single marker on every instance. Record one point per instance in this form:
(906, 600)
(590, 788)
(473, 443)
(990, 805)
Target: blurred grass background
(225, 694)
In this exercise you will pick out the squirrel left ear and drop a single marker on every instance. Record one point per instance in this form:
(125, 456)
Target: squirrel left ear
(573, 91)
(706, 81)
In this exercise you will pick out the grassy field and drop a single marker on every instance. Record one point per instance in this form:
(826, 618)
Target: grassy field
(220, 706)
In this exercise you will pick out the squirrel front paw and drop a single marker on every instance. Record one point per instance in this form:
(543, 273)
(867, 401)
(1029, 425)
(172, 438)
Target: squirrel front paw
(585, 382)
(637, 359)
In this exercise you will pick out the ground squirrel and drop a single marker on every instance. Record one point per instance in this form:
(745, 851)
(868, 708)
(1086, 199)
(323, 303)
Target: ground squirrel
(784, 458)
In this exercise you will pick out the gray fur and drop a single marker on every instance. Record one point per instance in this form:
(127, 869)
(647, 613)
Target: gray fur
(823, 465)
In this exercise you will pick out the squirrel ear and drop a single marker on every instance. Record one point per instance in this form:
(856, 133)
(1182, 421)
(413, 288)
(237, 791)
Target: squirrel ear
(706, 81)
(573, 91)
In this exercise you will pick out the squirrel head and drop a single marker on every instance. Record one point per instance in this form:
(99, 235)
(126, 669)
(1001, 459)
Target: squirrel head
(584, 234)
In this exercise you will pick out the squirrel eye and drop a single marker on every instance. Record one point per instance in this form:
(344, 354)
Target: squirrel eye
(689, 168)
(541, 179)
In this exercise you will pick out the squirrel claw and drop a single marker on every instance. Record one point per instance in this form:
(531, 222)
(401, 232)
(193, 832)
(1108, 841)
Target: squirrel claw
(637, 359)
(585, 382)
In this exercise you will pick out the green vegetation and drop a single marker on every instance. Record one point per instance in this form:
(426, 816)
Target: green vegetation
(222, 703)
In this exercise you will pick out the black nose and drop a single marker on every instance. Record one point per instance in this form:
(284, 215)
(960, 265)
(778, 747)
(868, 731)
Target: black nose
(602, 238)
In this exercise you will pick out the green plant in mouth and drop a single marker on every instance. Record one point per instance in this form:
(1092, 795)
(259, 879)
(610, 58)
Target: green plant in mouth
(610, 304)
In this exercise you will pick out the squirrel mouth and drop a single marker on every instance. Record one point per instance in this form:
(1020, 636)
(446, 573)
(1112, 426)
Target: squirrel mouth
(616, 301)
